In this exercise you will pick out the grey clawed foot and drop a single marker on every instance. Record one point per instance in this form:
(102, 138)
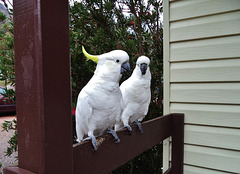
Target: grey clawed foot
(93, 140)
(114, 134)
(128, 128)
(139, 126)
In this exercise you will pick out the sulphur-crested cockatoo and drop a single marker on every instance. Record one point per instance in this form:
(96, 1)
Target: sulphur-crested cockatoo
(99, 104)
(136, 95)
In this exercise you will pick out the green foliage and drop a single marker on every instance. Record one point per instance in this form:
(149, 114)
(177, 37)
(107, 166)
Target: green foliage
(101, 26)
(9, 94)
(148, 162)
(92, 25)
(7, 72)
(11, 125)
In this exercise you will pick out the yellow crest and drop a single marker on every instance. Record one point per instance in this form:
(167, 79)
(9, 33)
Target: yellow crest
(89, 56)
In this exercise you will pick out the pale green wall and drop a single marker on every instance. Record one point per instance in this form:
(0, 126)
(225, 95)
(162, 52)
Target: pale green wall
(202, 80)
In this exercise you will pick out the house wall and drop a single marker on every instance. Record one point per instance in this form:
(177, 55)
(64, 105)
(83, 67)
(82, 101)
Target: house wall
(202, 80)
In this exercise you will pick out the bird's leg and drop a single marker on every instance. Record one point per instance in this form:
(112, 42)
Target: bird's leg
(93, 140)
(128, 128)
(114, 134)
(139, 126)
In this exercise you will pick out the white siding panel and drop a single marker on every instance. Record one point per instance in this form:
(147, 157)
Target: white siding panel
(204, 71)
(202, 62)
(206, 93)
(190, 9)
(196, 170)
(209, 26)
(212, 158)
(212, 115)
(215, 48)
(226, 138)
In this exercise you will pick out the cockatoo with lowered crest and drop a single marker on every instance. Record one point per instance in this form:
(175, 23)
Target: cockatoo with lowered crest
(99, 104)
(136, 94)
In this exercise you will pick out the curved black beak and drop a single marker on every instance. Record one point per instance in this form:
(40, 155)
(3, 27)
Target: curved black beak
(143, 68)
(125, 67)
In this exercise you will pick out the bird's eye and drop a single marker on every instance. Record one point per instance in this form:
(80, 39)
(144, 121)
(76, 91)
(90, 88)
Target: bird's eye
(117, 60)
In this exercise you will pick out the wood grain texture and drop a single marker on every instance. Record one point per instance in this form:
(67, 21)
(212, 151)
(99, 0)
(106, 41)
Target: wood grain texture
(155, 131)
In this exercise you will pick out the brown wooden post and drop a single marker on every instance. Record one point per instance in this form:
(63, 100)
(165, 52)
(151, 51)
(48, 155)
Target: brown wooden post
(43, 90)
(177, 143)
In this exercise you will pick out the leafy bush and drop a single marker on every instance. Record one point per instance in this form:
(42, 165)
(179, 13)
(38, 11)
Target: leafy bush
(101, 26)
(11, 125)
(7, 72)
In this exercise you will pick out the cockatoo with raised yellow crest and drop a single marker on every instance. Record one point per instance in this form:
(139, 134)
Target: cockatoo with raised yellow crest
(136, 94)
(99, 103)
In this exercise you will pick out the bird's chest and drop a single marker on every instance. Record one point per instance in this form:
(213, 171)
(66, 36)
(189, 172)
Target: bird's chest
(138, 94)
(108, 95)
(106, 98)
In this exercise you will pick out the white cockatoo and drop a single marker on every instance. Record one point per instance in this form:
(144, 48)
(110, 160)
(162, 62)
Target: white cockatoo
(136, 94)
(99, 104)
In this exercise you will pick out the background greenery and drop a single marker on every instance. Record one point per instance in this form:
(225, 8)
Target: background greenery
(7, 73)
(102, 26)
(130, 25)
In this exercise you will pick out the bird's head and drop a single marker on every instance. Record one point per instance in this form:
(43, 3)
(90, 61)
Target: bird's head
(143, 63)
(113, 62)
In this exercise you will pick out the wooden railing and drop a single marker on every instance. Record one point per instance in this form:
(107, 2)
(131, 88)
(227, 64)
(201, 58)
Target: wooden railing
(6, 110)
(110, 155)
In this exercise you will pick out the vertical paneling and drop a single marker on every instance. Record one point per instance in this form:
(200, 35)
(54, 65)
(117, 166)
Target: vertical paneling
(166, 70)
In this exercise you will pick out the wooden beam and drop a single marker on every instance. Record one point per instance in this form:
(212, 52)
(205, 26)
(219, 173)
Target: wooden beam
(16, 170)
(177, 143)
(110, 155)
(6, 110)
(43, 89)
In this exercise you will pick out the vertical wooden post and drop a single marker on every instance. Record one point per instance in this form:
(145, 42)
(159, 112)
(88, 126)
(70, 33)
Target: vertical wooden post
(43, 88)
(177, 143)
